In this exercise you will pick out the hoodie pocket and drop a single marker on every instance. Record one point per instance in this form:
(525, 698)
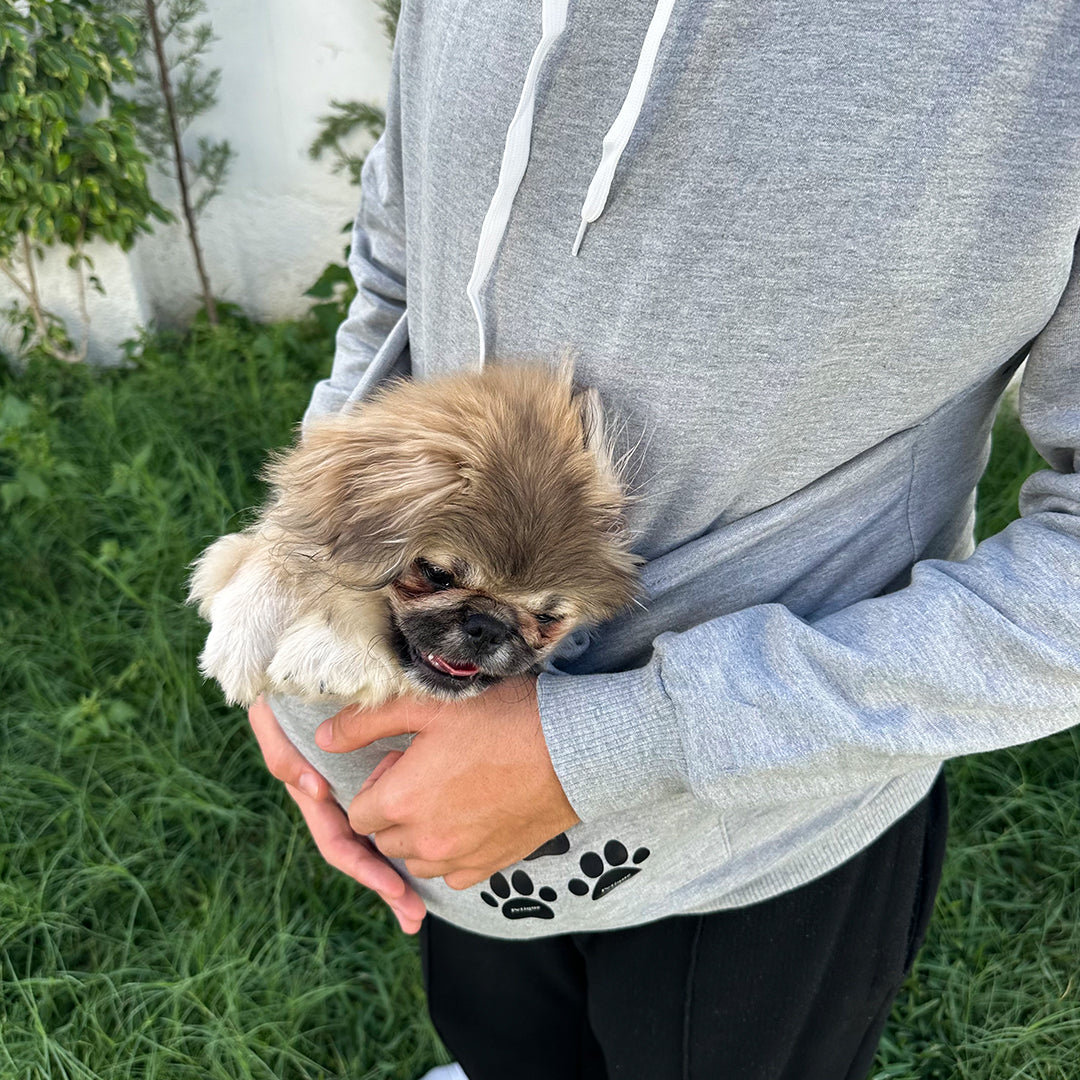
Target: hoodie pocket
(840, 539)
(851, 534)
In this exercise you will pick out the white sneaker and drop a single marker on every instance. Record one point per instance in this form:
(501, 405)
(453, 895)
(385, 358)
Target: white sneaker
(446, 1072)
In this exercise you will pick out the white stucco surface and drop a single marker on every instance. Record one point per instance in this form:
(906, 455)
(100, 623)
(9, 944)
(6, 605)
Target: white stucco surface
(278, 221)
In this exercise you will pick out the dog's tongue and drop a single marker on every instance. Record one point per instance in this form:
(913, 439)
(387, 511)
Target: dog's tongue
(443, 664)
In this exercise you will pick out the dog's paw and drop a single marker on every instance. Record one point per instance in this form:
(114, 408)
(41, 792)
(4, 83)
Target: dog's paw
(524, 905)
(248, 615)
(237, 663)
(216, 567)
(607, 872)
(312, 661)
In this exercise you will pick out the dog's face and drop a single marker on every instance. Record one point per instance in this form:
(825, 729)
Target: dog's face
(456, 628)
(485, 507)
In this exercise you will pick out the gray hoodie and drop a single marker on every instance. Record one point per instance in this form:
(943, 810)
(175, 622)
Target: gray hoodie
(831, 234)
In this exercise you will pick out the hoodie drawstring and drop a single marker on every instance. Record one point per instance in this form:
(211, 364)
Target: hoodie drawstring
(618, 134)
(516, 150)
(515, 159)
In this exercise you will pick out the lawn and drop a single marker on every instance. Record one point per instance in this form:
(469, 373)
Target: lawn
(162, 912)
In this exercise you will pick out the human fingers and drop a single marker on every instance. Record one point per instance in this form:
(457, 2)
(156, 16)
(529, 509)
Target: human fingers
(344, 850)
(373, 811)
(423, 858)
(454, 874)
(388, 759)
(354, 855)
(374, 808)
(354, 727)
(284, 761)
(466, 879)
(432, 857)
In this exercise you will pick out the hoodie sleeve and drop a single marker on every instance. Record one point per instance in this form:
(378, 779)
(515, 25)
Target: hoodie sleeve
(377, 264)
(760, 707)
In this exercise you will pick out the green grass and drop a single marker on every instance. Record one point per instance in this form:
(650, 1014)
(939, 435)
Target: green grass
(162, 912)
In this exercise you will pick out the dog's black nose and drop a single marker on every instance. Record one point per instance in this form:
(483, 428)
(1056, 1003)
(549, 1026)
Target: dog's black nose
(485, 631)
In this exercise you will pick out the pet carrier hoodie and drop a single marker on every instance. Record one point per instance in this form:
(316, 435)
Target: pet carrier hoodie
(800, 249)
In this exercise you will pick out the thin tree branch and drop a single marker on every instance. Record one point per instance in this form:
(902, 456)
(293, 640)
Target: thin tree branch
(35, 296)
(32, 294)
(84, 311)
(178, 157)
(33, 300)
(20, 285)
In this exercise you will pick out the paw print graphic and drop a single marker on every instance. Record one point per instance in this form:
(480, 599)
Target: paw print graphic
(557, 845)
(607, 872)
(523, 905)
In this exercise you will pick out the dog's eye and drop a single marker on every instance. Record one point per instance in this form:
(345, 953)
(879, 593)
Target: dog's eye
(436, 575)
(544, 619)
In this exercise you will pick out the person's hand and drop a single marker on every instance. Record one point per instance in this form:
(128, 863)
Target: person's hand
(336, 841)
(473, 793)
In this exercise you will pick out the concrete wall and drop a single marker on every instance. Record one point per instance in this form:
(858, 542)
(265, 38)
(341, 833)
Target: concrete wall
(278, 220)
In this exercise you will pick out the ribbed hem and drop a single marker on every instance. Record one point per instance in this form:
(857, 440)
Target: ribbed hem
(848, 838)
(613, 739)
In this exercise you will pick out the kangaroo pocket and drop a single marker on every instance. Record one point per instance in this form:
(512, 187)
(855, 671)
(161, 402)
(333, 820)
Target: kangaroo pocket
(842, 538)
(851, 534)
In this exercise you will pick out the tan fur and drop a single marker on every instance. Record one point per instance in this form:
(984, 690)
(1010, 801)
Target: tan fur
(506, 474)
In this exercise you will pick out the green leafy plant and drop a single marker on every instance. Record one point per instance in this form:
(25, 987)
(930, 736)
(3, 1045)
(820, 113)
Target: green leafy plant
(27, 440)
(334, 290)
(70, 168)
(346, 119)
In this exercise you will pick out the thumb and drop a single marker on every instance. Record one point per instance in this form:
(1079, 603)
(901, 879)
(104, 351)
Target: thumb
(354, 726)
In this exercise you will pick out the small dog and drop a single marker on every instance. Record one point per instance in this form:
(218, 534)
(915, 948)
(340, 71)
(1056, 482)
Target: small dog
(437, 538)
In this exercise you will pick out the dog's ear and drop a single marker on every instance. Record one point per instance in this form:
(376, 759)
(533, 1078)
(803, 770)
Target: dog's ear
(364, 489)
(597, 440)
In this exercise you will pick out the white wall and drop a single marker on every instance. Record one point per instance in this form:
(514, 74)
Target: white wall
(278, 220)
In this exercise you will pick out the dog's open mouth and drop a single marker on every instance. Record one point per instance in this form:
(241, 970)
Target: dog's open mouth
(437, 673)
(459, 669)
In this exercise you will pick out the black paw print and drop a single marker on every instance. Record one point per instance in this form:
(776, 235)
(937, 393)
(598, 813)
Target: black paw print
(522, 906)
(592, 865)
(557, 845)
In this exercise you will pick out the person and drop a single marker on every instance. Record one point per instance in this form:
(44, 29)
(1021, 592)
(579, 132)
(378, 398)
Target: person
(801, 251)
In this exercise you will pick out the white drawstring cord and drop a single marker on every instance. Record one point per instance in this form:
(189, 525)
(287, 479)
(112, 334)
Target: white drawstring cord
(514, 162)
(618, 134)
(518, 143)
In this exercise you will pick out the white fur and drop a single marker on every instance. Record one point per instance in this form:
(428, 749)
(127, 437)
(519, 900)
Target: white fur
(265, 638)
(214, 568)
(241, 593)
(321, 656)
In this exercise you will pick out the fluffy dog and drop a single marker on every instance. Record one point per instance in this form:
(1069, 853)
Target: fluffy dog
(436, 538)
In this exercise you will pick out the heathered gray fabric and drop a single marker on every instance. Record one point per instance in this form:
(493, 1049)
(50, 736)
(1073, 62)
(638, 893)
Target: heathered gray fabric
(834, 233)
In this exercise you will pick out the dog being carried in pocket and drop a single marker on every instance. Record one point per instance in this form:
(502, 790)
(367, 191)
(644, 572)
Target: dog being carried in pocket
(434, 539)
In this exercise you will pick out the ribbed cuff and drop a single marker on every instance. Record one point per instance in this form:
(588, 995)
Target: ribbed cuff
(613, 739)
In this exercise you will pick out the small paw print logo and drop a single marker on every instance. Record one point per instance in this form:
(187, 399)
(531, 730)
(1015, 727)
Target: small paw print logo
(522, 906)
(593, 866)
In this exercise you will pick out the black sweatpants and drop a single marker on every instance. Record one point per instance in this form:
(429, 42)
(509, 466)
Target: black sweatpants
(795, 988)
